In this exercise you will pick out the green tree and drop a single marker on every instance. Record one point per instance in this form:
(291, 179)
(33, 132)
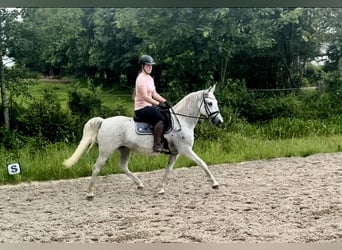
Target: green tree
(48, 40)
(8, 19)
(268, 47)
(113, 48)
(295, 35)
(193, 46)
(297, 42)
(333, 39)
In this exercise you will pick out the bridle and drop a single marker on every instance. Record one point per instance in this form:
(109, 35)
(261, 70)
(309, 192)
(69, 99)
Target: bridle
(210, 115)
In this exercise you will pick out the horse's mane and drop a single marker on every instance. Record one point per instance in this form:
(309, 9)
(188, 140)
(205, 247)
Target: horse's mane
(188, 101)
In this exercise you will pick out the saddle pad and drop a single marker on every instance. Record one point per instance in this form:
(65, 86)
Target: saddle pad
(143, 128)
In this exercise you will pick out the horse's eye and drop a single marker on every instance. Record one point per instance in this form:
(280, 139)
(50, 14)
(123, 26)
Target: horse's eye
(210, 103)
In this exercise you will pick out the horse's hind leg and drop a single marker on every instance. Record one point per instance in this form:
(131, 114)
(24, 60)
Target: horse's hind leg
(171, 163)
(101, 160)
(124, 157)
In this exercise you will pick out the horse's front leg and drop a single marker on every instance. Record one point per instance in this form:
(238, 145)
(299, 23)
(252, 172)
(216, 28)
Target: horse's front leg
(171, 163)
(193, 156)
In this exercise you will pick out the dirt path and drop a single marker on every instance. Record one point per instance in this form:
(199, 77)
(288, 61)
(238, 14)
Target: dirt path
(280, 200)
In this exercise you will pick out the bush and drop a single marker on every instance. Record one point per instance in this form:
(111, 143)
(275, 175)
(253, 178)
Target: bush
(254, 107)
(333, 82)
(84, 103)
(45, 119)
(10, 139)
(313, 74)
(233, 93)
(266, 109)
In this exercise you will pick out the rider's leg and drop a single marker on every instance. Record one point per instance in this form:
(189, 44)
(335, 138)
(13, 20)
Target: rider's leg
(157, 133)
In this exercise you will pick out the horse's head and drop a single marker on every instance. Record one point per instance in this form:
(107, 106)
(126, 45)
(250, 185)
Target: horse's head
(210, 108)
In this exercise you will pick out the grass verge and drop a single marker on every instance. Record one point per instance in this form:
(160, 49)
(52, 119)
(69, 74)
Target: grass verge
(46, 164)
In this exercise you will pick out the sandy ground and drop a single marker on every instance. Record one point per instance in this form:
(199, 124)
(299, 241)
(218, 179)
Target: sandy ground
(279, 200)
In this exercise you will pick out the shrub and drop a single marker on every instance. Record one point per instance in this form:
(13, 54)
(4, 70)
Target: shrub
(233, 93)
(333, 82)
(266, 109)
(83, 102)
(11, 140)
(313, 74)
(45, 119)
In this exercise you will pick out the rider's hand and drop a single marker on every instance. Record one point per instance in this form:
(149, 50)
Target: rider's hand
(163, 105)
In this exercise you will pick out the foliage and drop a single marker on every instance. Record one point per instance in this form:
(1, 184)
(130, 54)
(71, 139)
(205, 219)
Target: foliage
(259, 107)
(265, 47)
(306, 122)
(113, 47)
(56, 34)
(10, 139)
(285, 128)
(242, 110)
(7, 24)
(333, 39)
(233, 93)
(8, 21)
(18, 81)
(242, 50)
(83, 102)
(50, 122)
(333, 81)
(197, 49)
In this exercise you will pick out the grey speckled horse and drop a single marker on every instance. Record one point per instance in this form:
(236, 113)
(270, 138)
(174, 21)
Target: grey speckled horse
(118, 132)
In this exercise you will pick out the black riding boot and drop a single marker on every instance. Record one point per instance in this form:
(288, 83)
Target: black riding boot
(157, 133)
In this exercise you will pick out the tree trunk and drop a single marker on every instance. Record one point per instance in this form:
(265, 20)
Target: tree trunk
(223, 71)
(3, 86)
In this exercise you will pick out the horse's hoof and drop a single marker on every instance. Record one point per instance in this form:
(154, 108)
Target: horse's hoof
(161, 192)
(216, 186)
(141, 187)
(90, 197)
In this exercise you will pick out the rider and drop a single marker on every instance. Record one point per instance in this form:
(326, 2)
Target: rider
(147, 102)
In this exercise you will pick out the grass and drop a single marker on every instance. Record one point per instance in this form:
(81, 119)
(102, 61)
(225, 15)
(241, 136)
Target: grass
(46, 164)
(36, 91)
(237, 148)
(61, 91)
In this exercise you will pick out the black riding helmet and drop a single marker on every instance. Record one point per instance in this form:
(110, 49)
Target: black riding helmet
(146, 59)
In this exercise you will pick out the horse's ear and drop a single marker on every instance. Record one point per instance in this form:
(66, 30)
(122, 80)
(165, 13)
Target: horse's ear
(212, 88)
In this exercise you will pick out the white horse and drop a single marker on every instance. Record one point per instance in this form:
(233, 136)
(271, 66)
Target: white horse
(118, 132)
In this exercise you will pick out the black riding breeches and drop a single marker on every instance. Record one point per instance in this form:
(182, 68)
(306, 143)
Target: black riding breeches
(150, 114)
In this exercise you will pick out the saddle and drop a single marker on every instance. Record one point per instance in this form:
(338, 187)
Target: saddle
(144, 128)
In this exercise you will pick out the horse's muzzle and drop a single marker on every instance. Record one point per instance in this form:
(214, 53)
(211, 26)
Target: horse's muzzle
(218, 120)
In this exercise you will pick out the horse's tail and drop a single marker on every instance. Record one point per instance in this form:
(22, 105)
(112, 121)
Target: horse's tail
(90, 130)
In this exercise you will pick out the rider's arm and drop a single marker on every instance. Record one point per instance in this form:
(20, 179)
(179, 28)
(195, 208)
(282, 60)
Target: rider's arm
(158, 97)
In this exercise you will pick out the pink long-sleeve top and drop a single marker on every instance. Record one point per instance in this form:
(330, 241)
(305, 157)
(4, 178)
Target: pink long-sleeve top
(143, 81)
